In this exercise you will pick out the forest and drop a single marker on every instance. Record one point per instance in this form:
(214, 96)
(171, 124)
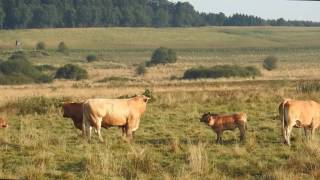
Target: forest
(18, 14)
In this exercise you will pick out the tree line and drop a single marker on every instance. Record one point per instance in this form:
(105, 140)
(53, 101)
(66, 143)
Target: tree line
(16, 14)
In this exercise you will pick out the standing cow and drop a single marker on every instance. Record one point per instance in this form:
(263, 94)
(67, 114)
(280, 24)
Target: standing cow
(113, 112)
(220, 123)
(299, 114)
(74, 110)
(3, 123)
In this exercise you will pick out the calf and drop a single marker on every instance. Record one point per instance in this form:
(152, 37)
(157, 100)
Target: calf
(3, 123)
(219, 123)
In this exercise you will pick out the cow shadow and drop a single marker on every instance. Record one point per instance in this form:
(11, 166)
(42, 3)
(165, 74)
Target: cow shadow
(10, 145)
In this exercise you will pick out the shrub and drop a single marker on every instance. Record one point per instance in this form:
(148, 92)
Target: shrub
(141, 69)
(34, 105)
(18, 70)
(91, 58)
(270, 63)
(46, 67)
(163, 56)
(221, 71)
(62, 47)
(71, 71)
(308, 86)
(40, 46)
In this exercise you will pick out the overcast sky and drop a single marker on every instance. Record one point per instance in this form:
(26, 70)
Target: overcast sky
(268, 9)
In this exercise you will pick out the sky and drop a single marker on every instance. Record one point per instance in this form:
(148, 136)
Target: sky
(267, 9)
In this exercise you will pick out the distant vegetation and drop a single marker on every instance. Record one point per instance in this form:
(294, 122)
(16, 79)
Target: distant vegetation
(71, 71)
(221, 71)
(63, 48)
(18, 70)
(141, 69)
(100, 13)
(163, 55)
(40, 46)
(270, 63)
(91, 58)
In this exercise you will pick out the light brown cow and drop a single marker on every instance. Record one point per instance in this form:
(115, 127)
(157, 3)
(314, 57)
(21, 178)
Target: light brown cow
(113, 112)
(299, 114)
(220, 123)
(74, 110)
(3, 123)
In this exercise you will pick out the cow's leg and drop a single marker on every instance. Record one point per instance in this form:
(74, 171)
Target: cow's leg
(305, 132)
(289, 129)
(219, 138)
(242, 133)
(312, 133)
(99, 129)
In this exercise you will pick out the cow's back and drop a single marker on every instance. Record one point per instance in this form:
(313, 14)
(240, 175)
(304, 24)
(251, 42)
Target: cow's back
(303, 111)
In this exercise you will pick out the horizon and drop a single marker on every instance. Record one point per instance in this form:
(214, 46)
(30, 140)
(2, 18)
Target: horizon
(289, 10)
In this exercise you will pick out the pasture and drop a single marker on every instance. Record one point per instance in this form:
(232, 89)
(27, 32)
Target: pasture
(171, 143)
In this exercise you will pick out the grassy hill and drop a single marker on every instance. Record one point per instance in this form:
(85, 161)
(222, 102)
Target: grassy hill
(180, 38)
(170, 143)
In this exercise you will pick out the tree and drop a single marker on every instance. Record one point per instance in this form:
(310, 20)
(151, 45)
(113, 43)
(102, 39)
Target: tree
(40, 46)
(2, 17)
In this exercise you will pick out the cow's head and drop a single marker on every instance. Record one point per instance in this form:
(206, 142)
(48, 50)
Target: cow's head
(208, 118)
(65, 109)
(143, 98)
(3, 123)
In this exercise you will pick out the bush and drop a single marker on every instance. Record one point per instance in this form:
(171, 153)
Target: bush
(221, 71)
(141, 69)
(270, 63)
(91, 58)
(62, 47)
(40, 46)
(18, 70)
(34, 105)
(71, 71)
(45, 67)
(308, 87)
(163, 56)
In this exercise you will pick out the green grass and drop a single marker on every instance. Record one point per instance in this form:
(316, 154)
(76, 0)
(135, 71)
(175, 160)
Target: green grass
(151, 38)
(170, 143)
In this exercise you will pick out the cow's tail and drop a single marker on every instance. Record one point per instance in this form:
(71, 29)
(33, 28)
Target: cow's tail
(85, 119)
(284, 119)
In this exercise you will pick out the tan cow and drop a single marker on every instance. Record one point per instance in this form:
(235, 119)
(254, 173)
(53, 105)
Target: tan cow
(220, 123)
(299, 114)
(3, 123)
(113, 112)
(74, 110)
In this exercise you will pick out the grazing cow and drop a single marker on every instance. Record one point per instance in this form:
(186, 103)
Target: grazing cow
(113, 112)
(299, 114)
(3, 123)
(219, 123)
(74, 111)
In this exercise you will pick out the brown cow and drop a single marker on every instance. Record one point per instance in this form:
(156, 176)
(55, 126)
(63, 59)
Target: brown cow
(3, 123)
(220, 123)
(113, 112)
(74, 110)
(299, 114)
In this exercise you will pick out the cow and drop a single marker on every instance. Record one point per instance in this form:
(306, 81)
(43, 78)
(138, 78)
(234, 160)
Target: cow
(74, 110)
(220, 123)
(113, 112)
(299, 114)
(3, 123)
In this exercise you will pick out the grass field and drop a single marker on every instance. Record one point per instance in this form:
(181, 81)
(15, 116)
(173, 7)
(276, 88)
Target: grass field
(171, 143)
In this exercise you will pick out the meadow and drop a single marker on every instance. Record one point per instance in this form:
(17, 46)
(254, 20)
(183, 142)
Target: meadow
(171, 143)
